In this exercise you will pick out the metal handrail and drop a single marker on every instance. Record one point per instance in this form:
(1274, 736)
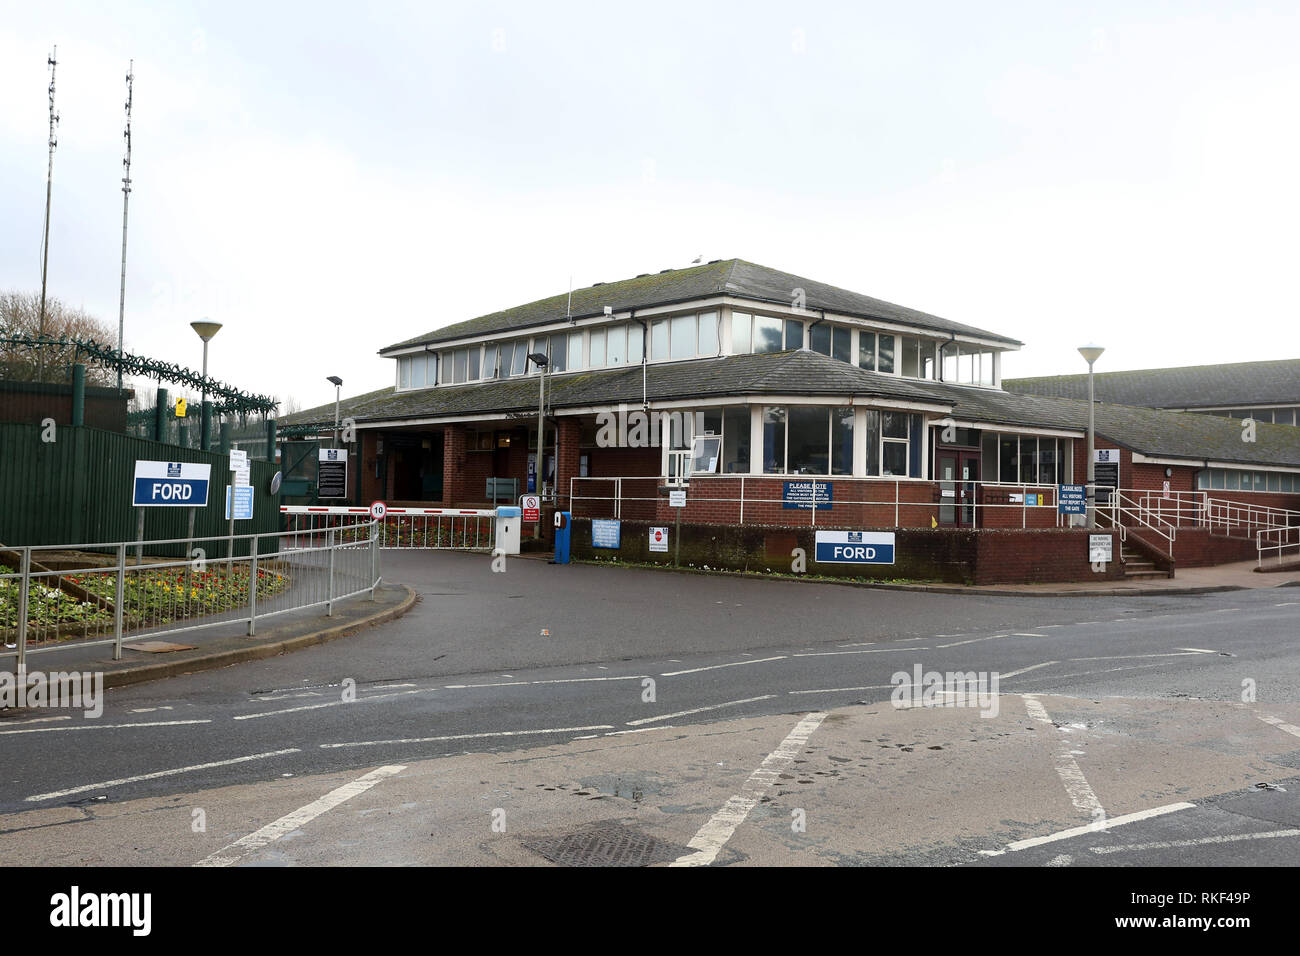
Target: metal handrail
(341, 577)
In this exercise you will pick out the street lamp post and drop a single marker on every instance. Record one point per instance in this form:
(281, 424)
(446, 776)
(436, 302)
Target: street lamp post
(338, 384)
(1090, 355)
(206, 329)
(540, 360)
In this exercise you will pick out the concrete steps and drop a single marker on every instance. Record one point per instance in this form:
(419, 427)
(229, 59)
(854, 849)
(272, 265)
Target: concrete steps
(1138, 565)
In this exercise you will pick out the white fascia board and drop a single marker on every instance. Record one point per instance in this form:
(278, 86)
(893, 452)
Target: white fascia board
(1018, 429)
(1225, 408)
(1141, 459)
(1244, 466)
(440, 420)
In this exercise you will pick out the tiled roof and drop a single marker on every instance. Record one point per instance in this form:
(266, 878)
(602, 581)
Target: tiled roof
(801, 372)
(1194, 386)
(733, 277)
(1150, 431)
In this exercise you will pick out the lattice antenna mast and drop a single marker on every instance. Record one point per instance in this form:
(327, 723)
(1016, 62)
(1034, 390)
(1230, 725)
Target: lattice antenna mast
(126, 199)
(53, 62)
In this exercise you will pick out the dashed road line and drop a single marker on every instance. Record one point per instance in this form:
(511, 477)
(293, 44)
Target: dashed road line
(557, 680)
(331, 703)
(90, 726)
(697, 710)
(160, 773)
(1026, 670)
(714, 667)
(298, 819)
(973, 640)
(880, 650)
(838, 690)
(713, 836)
(449, 737)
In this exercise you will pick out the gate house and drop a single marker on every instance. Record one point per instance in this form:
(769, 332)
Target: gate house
(789, 402)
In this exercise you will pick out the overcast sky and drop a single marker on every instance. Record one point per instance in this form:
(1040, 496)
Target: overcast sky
(327, 179)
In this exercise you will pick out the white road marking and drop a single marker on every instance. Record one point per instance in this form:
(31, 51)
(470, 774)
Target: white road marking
(973, 640)
(331, 703)
(38, 720)
(559, 680)
(697, 710)
(1089, 828)
(1026, 670)
(1105, 670)
(161, 773)
(149, 710)
(1195, 650)
(1067, 768)
(1020, 634)
(837, 690)
(1281, 725)
(1062, 859)
(1134, 657)
(92, 726)
(641, 730)
(497, 733)
(714, 667)
(296, 820)
(714, 835)
(1287, 604)
(882, 650)
(1199, 841)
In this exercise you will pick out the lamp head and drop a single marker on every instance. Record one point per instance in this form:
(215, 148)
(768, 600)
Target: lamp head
(206, 328)
(338, 382)
(1091, 353)
(538, 359)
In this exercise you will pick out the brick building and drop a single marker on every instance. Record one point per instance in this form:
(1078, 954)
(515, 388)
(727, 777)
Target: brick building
(787, 401)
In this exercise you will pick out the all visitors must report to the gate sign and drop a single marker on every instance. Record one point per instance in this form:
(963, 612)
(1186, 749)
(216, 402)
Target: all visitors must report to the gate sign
(800, 494)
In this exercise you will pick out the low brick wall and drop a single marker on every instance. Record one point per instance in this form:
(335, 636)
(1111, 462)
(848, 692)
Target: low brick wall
(950, 555)
(1198, 548)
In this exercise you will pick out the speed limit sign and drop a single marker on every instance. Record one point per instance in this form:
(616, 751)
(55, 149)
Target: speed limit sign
(378, 509)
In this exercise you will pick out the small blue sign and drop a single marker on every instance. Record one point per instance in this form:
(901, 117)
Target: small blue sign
(604, 533)
(1071, 500)
(799, 494)
(243, 502)
(854, 547)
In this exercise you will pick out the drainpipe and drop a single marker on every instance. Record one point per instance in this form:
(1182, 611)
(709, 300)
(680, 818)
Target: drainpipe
(807, 336)
(645, 358)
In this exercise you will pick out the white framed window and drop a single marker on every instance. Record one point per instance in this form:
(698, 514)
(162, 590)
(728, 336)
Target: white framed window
(740, 333)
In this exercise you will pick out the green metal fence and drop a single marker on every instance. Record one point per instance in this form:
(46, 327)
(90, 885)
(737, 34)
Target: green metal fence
(76, 488)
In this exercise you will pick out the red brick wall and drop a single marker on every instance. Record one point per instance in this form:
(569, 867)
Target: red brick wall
(566, 459)
(455, 487)
(1058, 555)
(943, 554)
(1198, 548)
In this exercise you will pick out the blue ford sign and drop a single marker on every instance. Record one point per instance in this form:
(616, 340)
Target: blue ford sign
(177, 484)
(855, 547)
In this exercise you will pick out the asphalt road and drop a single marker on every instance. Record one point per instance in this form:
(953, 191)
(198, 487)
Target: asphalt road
(541, 655)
